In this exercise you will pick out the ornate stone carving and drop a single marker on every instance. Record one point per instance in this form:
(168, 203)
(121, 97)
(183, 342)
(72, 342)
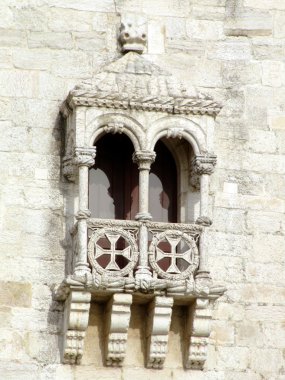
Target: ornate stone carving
(110, 236)
(144, 159)
(132, 36)
(76, 314)
(204, 221)
(198, 330)
(132, 82)
(114, 128)
(158, 324)
(183, 255)
(204, 164)
(84, 156)
(175, 133)
(68, 168)
(118, 318)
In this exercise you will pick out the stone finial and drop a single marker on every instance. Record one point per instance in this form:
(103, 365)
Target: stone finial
(132, 35)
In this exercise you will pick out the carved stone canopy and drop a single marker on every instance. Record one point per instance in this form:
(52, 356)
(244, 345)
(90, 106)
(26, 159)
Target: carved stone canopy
(132, 82)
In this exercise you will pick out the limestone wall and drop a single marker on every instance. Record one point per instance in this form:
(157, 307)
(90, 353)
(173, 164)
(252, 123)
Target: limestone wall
(233, 50)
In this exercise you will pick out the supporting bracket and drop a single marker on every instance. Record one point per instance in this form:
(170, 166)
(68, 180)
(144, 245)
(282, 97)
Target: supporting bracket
(159, 318)
(76, 315)
(198, 331)
(118, 319)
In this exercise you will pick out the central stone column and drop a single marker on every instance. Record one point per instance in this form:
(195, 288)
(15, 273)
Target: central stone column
(84, 159)
(144, 159)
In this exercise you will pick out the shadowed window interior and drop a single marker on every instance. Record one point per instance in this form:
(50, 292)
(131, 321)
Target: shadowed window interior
(114, 182)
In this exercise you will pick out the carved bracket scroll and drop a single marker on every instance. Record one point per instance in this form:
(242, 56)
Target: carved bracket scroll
(159, 318)
(118, 319)
(76, 315)
(198, 331)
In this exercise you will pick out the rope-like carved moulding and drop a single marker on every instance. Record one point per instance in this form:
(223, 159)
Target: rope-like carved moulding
(76, 314)
(198, 332)
(118, 319)
(158, 325)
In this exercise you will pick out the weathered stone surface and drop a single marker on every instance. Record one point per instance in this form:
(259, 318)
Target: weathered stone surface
(249, 23)
(15, 294)
(233, 50)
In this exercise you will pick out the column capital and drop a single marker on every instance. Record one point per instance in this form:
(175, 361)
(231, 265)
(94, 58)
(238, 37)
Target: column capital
(204, 164)
(144, 158)
(84, 156)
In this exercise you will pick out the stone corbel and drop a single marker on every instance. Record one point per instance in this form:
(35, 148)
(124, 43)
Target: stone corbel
(158, 324)
(76, 315)
(118, 318)
(197, 331)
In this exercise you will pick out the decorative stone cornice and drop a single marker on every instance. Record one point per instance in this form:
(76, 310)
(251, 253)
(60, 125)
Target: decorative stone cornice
(84, 156)
(144, 159)
(132, 82)
(204, 164)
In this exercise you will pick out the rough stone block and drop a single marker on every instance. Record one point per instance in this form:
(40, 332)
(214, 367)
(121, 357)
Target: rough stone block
(271, 49)
(205, 29)
(166, 8)
(85, 5)
(5, 58)
(266, 313)
(15, 294)
(262, 141)
(265, 4)
(21, 83)
(279, 24)
(67, 20)
(273, 73)
(31, 60)
(269, 273)
(265, 361)
(50, 40)
(268, 248)
(230, 50)
(264, 221)
(11, 38)
(202, 12)
(236, 73)
(249, 23)
(156, 37)
(223, 333)
(235, 358)
(90, 41)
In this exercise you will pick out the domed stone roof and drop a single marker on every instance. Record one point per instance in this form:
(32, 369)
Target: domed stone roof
(134, 82)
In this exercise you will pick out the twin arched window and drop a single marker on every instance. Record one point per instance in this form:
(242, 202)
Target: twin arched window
(114, 182)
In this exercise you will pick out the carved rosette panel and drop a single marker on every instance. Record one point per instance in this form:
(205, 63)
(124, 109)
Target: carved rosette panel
(112, 251)
(173, 255)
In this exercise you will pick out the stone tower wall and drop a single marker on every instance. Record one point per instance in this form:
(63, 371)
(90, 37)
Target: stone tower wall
(233, 50)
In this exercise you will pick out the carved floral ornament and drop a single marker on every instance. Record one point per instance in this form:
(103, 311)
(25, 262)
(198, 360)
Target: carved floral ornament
(122, 260)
